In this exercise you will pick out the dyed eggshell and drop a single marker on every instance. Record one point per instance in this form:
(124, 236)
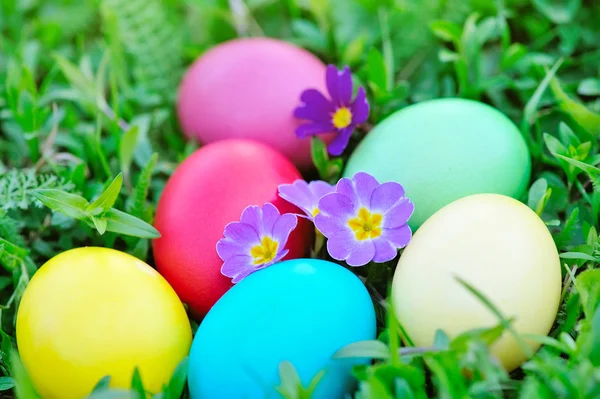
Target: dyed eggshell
(501, 248)
(248, 88)
(91, 312)
(208, 190)
(302, 311)
(445, 149)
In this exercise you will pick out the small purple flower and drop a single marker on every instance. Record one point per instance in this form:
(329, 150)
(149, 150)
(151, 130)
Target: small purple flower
(340, 114)
(305, 195)
(256, 241)
(365, 221)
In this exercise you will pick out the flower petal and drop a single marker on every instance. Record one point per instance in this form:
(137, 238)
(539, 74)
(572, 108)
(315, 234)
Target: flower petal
(319, 189)
(384, 250)
(311, 129)
(339, 85)
(242, 233)
(328, 225)
(280, 255)
(362, 254)
(252, 215)
(345, 186)
(385, 196)
(398, 237)
(360, 107)
(339, 144)
(343, 246)
(399, 214)
(336, 204)
(299, 193)
(315, 107)
(226, 248)
(282, 228)
(365, 185)
(237, 267)
(270, 215)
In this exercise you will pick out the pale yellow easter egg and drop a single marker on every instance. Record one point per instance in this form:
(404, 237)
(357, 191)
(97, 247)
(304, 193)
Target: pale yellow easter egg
(501, 248)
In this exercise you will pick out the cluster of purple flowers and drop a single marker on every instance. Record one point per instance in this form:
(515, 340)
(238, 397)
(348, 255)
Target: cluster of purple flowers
(364, 221)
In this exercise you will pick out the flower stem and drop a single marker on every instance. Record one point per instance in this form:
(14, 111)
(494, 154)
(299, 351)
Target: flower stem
(319, 241)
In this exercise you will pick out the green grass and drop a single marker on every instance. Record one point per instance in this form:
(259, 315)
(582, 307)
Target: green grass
(88, 129)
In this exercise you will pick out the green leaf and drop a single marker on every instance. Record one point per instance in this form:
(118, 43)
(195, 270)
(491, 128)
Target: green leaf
(585, 118)
(376, 70)
(369, 349)
(590, 340)
(446, 55)
(530, 113)
(77, 78)
(486, 335)
(127, 147)
(327, 169)
(24, 386)
(176, 385)
(6, 349)
(107, 199)
(354, 50)
(513, 54)
(578, 255)
(446, 30)
(568, 137)
(112, 394)
(558, 11)
(140, 193)
(539, 194)
(568, 231)
(121, 222)
(506, 323)
(137, 385)
(441, 339)
(99, 224)
(588, 286)
(69, 204)
(309, 35)
(592, 171)
(103, 384)
(589, 87)
(289, 381)
(6, 383)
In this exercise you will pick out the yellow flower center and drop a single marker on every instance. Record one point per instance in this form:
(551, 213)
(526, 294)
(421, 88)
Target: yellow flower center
(342, 118)
(315, 212)
(366, 225)
(265, 251)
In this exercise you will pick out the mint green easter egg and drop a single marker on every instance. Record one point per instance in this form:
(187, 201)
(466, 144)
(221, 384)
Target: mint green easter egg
(445, 149)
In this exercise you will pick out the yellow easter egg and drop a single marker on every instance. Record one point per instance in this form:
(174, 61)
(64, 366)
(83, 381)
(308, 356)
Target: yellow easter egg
(91, 312)
(501, 248)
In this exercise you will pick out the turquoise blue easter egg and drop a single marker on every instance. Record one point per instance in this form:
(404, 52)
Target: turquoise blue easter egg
(302, 311)
(443, 150)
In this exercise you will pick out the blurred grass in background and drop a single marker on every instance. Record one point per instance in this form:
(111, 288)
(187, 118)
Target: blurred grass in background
(88, 88)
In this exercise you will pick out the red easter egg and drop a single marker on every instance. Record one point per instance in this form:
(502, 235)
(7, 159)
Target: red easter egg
(248, 88)
(208, 190)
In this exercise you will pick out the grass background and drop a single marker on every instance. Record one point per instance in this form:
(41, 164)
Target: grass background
(87, 94)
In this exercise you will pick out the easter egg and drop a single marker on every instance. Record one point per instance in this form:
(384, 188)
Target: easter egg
(248, 88)
(207, 191)
(445, 149)
(498, 246)
(92, 312)
(301, 311)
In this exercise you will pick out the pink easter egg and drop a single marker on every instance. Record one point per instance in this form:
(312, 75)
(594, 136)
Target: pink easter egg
(248, 88)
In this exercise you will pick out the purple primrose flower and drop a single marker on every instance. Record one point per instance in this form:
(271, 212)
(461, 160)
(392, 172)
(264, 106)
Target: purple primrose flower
(256, 241)
(365, 221)
(305, 195)
(340, 114)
